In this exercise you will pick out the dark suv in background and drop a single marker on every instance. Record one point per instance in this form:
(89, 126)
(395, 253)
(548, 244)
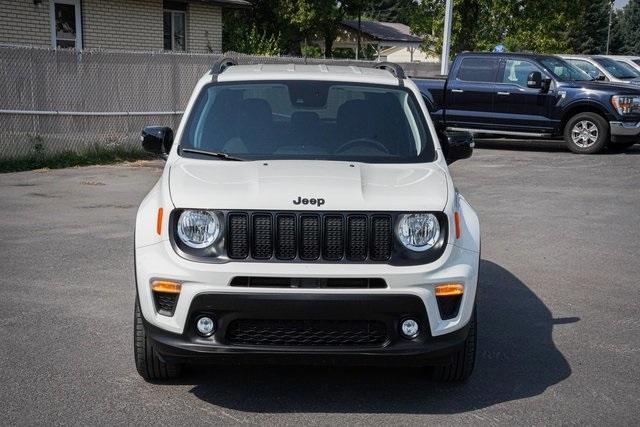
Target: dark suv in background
(541, 96)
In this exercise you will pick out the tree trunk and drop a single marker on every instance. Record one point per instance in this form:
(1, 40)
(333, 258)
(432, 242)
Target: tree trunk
(328, 45)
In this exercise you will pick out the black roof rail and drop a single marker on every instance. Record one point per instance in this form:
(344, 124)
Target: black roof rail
(228, 61)
(393, 68)
(222, 64)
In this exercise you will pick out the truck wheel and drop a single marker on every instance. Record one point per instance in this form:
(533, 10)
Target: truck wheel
(148, 364)
(462, 362)
(586, 133)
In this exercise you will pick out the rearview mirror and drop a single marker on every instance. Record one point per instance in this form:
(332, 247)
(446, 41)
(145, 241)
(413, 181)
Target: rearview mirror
(534, 80)
(457, 146)
(157, 139)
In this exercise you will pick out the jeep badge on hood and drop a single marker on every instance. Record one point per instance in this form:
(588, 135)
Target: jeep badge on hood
(318, 202)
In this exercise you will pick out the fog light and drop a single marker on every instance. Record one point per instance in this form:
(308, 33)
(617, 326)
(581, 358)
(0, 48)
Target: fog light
(409, 328)
(205, 326)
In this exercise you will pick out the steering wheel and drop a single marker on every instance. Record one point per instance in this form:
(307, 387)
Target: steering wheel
(362, 141)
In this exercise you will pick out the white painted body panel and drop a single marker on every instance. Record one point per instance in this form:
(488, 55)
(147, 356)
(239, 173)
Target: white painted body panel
(345, 186)
(274, 184)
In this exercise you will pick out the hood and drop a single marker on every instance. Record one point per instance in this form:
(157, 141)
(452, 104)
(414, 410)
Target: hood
(276, 185)
(609, 87)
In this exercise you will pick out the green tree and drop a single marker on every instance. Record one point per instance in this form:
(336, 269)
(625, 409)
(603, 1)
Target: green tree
(629, 30)
(524, 25)
(391, 10)
(587, 31)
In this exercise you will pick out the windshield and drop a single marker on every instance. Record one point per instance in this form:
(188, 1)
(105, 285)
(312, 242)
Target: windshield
(564, 71)
(309, 120)
(617, 69)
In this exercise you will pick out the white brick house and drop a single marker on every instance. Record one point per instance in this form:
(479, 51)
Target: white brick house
(179, 25)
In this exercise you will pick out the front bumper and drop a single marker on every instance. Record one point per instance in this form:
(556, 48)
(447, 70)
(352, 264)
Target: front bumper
(160, 262)
(625, 129)
(229, 308)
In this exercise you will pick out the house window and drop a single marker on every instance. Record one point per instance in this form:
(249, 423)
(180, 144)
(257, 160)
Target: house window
(66, 24)
(175, 20)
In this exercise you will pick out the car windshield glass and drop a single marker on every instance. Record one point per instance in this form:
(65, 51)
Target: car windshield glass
(564, 71)
(309, 120)
(617, 69)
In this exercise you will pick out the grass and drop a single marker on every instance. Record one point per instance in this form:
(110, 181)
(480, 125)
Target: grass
(94, 155)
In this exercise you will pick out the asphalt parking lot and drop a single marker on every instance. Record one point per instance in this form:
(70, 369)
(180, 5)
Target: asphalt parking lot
(559, 308)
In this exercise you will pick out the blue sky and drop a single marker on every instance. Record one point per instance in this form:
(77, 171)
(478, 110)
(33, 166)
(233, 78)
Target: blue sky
(621, 3)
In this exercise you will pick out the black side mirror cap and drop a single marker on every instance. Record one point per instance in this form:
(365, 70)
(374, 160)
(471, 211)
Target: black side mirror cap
(601, 77)
(157, 139)
(534, 80)
(457, 146)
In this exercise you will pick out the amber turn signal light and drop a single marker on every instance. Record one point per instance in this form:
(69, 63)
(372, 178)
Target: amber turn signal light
(159, 222)
(449, 290)
(166, 287)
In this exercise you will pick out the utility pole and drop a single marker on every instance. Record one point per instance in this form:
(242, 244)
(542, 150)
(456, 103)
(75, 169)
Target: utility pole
(609, 32)
(446, 40)
(359, 30)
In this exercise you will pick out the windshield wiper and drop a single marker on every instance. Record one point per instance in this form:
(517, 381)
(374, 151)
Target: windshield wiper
(221, 156)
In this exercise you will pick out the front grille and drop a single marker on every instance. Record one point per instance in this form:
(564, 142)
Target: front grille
(309, 237)
(306, 333)
(307, 282)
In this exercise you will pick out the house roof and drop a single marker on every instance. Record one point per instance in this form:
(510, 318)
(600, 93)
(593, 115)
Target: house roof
(229, 3)
(384, 31)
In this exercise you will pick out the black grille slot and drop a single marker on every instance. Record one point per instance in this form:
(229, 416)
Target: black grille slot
(306, 333)
(262, 232)
(381, 242)
(333, 237)
(309, 237)
(308, 282)
(286, 237)
(165, 303)
(357, 238)
(238, 236)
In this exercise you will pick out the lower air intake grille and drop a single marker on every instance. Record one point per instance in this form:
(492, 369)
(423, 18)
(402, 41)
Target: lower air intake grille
(165, 303)
(306, 333)
(308, 282)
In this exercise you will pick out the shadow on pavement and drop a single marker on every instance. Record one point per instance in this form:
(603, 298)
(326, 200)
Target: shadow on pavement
(545, 145)
(517, 359)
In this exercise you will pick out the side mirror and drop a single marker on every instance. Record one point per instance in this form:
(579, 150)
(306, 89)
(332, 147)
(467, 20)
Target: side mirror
(534, 80)
(601, 77)
(157, 139)
(457, 146)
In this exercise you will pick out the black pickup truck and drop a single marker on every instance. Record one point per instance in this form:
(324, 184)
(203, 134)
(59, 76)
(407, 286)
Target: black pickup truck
(526, 95)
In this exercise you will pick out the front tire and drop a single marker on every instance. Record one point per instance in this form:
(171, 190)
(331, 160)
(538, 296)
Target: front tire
(149, 365)
(586, 133)
(463, 361)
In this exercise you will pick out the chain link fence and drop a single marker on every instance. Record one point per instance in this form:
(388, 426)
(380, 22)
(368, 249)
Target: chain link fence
(64, 100)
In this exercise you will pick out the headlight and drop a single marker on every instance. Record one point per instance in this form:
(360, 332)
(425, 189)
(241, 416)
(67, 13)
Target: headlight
(198, 229)
(626, 104)
(419, 231)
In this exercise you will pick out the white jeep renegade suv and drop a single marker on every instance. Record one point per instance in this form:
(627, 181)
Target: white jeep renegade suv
(307, 212)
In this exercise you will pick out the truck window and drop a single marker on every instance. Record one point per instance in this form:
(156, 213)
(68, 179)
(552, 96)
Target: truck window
(585, 66)
(617, 70)
(516, 72)
(478, 70)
